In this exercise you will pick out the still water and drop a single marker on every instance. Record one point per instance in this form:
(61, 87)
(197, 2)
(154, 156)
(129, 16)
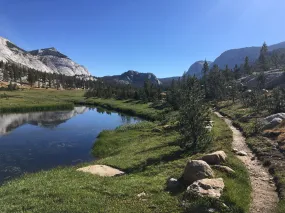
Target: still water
(30, 142)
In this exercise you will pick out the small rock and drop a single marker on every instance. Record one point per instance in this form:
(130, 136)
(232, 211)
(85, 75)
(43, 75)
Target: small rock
(215, 158)
(235, 150)
(207, 188)
(172, 184)
(241, 153)
(224, 169)
(143, 194)
(196, 170)
(211, 210)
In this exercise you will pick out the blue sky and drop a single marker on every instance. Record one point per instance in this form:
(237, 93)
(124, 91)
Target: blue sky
(160, 36)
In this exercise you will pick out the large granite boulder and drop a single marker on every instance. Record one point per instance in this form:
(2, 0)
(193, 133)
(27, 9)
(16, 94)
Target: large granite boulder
(217, 157)
(212, 188)
(196, 170)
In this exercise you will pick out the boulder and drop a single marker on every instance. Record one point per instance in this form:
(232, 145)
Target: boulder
(196, 170)
(207, 188)
(101, 170)
(215, 158)
(273, 120)
(224, 169)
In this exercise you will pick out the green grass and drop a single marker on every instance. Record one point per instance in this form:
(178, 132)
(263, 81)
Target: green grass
(127, 106)
(148, 157)
(38, 100)
(259, 145)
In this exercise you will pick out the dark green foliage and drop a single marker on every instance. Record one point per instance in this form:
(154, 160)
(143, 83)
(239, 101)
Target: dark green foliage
(15, 72)
(276, 101)
(263, 61)
(193, 116)
(103, 89)
(246, 66)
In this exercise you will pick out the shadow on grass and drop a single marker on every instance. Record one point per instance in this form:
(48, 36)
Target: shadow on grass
(154, 161)
(173, 143)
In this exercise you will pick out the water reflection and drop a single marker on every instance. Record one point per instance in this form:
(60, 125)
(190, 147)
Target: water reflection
(31, 142)
(9, 122)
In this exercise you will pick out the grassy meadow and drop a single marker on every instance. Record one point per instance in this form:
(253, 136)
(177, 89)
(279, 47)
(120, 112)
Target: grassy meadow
(148, 157)
(38, 100)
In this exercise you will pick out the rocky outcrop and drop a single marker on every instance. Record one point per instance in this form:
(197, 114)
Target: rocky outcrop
(273, 79)
(217, 157)
(237, 56)
(273, 120)
(212, 188)
(46, 60)
(59, 63)
(133, 78)
(196, 170)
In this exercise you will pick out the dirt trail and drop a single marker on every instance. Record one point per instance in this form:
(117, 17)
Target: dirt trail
(264, 196)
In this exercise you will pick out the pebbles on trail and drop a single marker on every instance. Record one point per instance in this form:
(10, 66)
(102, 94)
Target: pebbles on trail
(264, 195)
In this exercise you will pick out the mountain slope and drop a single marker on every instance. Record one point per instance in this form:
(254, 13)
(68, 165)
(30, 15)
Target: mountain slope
(237, 56)
(133, 77)
(196, 68)
(46, 60)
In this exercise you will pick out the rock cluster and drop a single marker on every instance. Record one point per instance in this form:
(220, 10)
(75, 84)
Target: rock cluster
(199, 177)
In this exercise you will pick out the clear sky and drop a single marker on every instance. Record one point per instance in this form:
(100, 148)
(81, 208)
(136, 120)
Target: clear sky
(160, 36)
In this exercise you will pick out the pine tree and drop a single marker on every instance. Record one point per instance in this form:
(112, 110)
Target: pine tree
(263, 57)
(193, 116)
(246, 66)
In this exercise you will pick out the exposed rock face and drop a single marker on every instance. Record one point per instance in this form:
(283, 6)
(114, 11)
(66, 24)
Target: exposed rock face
(273, 120)
(217, 157)
(207, 188)
(59, 63)
(196, 68)
(237, 56)
(273, 79)
(168, 81)
(197, 170)
(45, 60)
(133, 77)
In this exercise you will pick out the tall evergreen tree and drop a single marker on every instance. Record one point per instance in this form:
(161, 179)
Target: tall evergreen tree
(193, 116)
(263, 57)
(246, 66)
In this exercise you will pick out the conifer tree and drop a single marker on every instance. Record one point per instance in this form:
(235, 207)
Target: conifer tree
(263, 57)
(193, 116)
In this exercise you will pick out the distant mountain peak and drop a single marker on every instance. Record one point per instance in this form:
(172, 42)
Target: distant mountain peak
(133, 77)
(196, 68)
(48, 60)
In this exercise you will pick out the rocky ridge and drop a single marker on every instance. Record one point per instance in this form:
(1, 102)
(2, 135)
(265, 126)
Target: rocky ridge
(46, 60)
